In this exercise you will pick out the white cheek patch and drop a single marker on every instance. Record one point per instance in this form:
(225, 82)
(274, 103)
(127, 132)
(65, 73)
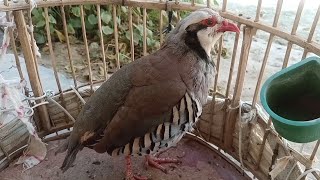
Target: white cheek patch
(207, 38)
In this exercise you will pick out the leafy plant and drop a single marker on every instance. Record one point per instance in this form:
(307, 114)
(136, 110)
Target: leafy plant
(74, 27)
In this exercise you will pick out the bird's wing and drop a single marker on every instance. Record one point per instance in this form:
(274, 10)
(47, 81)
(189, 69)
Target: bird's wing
(156, 89)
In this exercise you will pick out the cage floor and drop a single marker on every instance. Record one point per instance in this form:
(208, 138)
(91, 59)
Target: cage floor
(198, 162)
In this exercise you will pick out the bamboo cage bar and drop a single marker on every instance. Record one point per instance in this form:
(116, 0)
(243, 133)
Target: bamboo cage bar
(266, 133)
(258, 11)
(293, 32)
(230, 118)
(14, 47)
(268, 145)
(116, 35)
(312, 46)
(216, 81)
(31, 35)
(224, 5)
(313, 155)
(66, 35)
(131, 34)
(31, 68)
(164, 5)
(267, 52)
(52, 55)
(161, 27)
(52, 58)
(105, 72)
(233, 59)
(311, 33)
(85, 40)
(144, 31)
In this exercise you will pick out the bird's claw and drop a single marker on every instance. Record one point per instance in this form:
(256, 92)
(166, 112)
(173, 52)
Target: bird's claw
(156, 161)
(129, 173)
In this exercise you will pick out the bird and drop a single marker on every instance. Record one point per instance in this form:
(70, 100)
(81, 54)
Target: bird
(148, 105)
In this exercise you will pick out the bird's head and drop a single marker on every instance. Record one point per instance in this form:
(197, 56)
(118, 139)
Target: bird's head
(201, 29)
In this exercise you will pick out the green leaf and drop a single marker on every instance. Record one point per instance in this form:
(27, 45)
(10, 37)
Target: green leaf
(92, 19)
(136, 38)
(40, 23)
(76, 11)
(52, 19)
(139, 28)
(87, 6)
(149, 41)
(124, 9)
(105, 17)
(76, 23)
(107, 30)
(51, 28)
(40, 38)
(36, 12)
(71, 29)
(89, 26)
(149, 33)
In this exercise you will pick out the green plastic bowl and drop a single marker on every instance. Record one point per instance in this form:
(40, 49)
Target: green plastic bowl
(292, 99)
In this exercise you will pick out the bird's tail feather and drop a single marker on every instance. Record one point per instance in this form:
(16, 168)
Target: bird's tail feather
(73, 149)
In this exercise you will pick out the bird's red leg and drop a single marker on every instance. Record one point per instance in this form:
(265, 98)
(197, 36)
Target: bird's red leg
(156, 161)
(129, 173)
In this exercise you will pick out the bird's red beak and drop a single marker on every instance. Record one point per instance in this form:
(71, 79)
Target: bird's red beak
(227, 26)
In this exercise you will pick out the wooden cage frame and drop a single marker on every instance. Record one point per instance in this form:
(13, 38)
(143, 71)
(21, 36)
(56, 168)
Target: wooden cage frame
(264, 145)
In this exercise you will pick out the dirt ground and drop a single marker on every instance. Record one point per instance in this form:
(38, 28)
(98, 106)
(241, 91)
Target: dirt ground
(198, 162)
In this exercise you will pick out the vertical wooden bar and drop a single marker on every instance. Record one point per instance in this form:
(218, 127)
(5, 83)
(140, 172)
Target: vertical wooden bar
(65, 31)
(293, 32)
(313, 155)
(224, 5)
(258, 11)
(218, 64)
(192, 3)
(14, 47)
(102, 43)
(311, 33)
(266, 54)
(52, 56)
(53, 60)
(208, 3)
(230, 119)
(84, 34)
(233, 58)
(161, 27)
(31, 68)
(215, 84)
(266, 133)
(131, 34)
(261, 73)
(33, 44)
(116, 35)
(144, 31)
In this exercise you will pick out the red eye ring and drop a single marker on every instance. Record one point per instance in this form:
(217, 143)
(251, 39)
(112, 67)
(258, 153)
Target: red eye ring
(209, 22)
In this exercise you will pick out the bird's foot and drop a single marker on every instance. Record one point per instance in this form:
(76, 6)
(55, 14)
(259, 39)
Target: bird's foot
(129, 173)
(156, 161)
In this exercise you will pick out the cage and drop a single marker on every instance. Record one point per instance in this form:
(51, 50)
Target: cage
(233, 125)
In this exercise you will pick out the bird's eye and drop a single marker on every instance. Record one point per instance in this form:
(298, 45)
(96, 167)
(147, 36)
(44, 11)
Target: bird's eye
(209, 22)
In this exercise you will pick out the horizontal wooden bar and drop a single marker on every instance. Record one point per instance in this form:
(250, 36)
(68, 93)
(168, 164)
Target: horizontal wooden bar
(312, 46)
(148, 4)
